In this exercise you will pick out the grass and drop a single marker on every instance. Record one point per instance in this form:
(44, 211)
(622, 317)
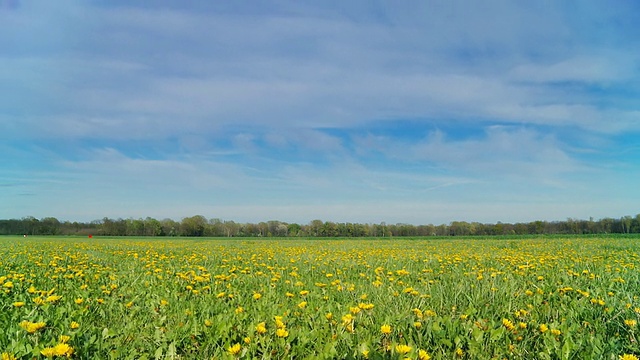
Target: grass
(463, 298)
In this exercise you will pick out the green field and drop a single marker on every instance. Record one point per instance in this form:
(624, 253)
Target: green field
(490, 298)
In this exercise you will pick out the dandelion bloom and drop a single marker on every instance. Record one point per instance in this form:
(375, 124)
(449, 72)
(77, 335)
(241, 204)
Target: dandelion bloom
(48, 352)
(630, 322)
(543, 328)
(628, 357)
(508, 324)
(64, 338)
(261, 328)
(257, 296)
(63, 349)
(31, 327)
(7, 356)
(423, 355)
(18, 304)
(403, 349)
(208, 323)
(235, 349)
(385, 329)
(74, 325)
(282, 333)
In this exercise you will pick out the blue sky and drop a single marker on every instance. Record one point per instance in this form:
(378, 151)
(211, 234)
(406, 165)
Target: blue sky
(362, 111)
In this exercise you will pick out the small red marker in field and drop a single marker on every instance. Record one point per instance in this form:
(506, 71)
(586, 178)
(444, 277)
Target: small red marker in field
(90, 236)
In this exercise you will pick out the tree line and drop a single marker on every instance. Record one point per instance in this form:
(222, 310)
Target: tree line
(197, 226)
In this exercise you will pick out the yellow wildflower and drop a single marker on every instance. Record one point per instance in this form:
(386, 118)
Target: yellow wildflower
(385, 329)
(403, 349)
(508, 324)
(235, 349)
(62, 349)
(423, 355)
(261, 328)
(628, 357)
(7, 356)
(31, 327)
(74, 325)
(282, 333)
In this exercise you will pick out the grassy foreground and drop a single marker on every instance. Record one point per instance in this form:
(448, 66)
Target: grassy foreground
(558, 298)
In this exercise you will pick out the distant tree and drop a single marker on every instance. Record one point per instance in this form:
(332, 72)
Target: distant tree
(293, 229)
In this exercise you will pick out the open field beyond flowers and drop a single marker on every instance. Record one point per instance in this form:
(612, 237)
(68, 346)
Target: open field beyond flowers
(547, 298)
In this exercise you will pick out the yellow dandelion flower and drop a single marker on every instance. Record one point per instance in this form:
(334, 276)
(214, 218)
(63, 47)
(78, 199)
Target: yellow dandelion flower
(302, 305)
(74, 325)
(423, 355)
(31, 327)
(508, 324)
(64, 338)
(235, 349)
(257, 296)
(556, 332)
(7, 356)
(62, 349)
(543, 328)
(329, 316)
(628, 357)
(208, 323)
(53, 299)
(261, 328)
(522, 325)
(18, 304)
(385, 329)
(403, 349)
(282, 333)
(630, 322)
(48, 352)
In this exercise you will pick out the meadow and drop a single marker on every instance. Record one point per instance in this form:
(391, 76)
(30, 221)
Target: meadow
(490, 298)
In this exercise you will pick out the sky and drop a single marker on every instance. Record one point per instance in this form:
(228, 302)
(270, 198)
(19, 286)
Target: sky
(420, 112)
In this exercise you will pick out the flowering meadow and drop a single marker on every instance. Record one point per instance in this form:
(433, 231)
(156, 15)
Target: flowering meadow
(140, 298)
